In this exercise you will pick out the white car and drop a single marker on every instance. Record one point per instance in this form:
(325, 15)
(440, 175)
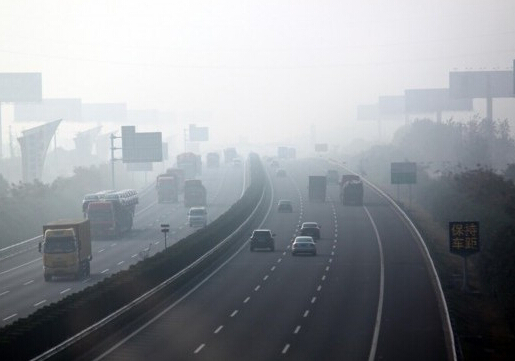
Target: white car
(303, 244)
(197, 217)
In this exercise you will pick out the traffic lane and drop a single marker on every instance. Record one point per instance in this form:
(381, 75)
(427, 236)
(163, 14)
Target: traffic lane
(342, 324)
(204, 313)
(15, 298)
(411, 326)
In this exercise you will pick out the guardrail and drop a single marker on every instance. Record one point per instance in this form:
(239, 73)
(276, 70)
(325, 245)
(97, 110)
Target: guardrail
(25, 337)
(442, 304)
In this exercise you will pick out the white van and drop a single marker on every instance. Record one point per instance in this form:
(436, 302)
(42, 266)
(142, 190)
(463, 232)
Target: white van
(197, 217)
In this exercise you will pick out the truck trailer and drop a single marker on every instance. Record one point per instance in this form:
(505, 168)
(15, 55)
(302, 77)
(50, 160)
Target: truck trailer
(167, 187)
(66, 248)
(194, 193)
(317, 188)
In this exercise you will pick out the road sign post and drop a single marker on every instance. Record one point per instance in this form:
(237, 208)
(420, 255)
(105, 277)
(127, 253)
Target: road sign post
(404, 173)
(165, 228)
(464, 241)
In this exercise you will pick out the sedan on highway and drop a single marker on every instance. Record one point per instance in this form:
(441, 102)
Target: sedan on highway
(284, 206)
(262, 238)
(311, 229)
(303, 244)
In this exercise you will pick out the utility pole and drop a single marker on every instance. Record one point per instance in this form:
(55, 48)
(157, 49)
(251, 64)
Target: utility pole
(113, 159)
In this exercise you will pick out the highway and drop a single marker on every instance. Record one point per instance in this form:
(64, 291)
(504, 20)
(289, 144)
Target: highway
(367, 295)
(23, 290)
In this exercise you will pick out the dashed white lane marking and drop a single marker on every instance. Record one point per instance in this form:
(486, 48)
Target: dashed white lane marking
(330, 260)
(234, 313)
(198, 349)
(246, 300)
(134, 255)
(319, 288)
(101, 250)
(9, 317)
(285, 349)
(156, 243)
(64, 291)
(323, 278)
(297, 329)
(272, 269)
(334, 246)
(120, 263)
(313, 300)
(219, 329)
(257, 288)
(39, 303)
(86, 280)
(284, 253)
(28, 282)
(327, 268)
(332, 253)
(4, 293)
(265, 278)
(106, 270)
(279, 260)
(114, 244)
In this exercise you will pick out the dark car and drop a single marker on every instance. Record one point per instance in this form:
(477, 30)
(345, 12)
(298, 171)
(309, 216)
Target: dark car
(311, 229)
(262, 238)
(285, 206)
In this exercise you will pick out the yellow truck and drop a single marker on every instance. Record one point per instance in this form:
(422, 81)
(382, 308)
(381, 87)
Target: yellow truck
(66, 248)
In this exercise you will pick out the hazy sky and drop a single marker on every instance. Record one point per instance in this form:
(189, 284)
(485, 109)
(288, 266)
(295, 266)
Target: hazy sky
(257, 66)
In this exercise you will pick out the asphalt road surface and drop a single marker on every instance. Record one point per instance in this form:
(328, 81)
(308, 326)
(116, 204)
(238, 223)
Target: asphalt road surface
(367, 295)
(23, 290)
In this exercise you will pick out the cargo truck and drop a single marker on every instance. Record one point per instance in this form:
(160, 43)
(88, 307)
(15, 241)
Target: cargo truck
(113, 215)
(179, 174)
(317, 188)
(66, 248)
(230, 154)
(190, 164)
(194, 193)
(351, 192)
(167, 187)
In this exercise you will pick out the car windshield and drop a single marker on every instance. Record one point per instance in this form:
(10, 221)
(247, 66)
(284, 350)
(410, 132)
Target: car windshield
(309, 225)
(261, 235)
(197, 212)
(59, 245)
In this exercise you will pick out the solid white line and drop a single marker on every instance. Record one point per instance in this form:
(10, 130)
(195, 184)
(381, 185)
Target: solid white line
(285, 349)
(106, 270)
(219, 329)
(15, 268)
(4, 293)
(234, 313)
(297, 329)
(198, 349)
(377, 326)
(120, 263)
(64, 291)
(246, 300)
(257, 288)
(28, 282)
(265, 278)
(9, 317)
(39, 303)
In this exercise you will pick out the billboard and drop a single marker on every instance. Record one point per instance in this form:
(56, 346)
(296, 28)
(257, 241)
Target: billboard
(141, 147)
(391, 105)
(404, 173)
(434, 100)
(47, 109)
(368, 112)
(198, 134)
(104, 112)
(321, 147)
(20, 87)
(481, 84)
(464, 238)
(34, 145)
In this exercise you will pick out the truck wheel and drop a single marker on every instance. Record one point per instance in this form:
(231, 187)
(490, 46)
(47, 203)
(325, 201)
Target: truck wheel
(48, 278)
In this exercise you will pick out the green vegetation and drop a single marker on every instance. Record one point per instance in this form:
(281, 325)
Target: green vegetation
(465, 172)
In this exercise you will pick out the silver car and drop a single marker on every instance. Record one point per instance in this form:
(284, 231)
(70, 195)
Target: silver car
(303, 244)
